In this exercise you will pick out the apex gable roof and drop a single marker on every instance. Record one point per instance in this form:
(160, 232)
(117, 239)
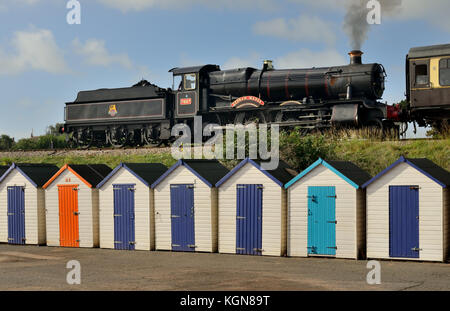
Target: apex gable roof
(148, 173)
(209, 171)
(425, 166)
(348, 171)
(90, 174)
(280, 175)
(37, 174)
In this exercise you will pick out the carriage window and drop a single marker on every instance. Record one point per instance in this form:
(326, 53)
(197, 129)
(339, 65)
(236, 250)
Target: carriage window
(190, 81)
(444, 72)
(422, 74)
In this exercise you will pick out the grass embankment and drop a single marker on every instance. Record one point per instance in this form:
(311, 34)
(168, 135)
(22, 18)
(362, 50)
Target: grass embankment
(371, 155)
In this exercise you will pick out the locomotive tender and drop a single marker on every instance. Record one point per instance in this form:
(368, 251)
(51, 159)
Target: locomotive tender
(308, 99)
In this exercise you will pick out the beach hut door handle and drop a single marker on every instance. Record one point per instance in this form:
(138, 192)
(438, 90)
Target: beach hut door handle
(10, 214)
(117, 215)
(175, 216)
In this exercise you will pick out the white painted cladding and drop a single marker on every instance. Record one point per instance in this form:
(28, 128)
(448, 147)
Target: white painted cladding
(347, 226)
(87, 207)
(142, 210)
(34, 209)
(430, 213)
(205, 201)
(273, 225)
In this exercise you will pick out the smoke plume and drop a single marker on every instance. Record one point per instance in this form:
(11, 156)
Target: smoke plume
(356, 25)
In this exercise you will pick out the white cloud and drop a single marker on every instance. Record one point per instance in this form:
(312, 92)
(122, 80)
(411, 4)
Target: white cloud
(253, 60)
(139, 5)
(34, 50)
(96, 54)
(303, 28)
(305, 58)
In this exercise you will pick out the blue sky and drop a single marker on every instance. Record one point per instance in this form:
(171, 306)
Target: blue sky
(44, 61)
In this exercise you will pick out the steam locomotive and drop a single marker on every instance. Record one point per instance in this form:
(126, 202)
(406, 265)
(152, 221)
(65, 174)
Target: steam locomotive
(307, 99)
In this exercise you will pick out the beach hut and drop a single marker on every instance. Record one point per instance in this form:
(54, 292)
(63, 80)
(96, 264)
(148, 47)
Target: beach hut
(327, 211)
(408, 206)
(72, 205)
(186, 206)
(126, 206)
(252, 209)
(22, 203)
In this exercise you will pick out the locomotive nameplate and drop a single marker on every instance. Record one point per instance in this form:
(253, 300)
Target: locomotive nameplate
(123, 110)
(247, 101)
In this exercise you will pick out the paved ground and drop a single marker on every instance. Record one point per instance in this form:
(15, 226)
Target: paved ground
(44, 268)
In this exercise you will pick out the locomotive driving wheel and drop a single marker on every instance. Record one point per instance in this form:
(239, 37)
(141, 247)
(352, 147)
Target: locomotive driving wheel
(118, 137)
(148, 135)
(250, 117)
(82, 139)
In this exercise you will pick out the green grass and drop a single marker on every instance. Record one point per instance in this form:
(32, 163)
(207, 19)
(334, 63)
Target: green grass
(110, 160)
(371, 155)
(374, 156)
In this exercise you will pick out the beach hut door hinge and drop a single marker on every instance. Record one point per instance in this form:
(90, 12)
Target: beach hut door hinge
(332, 196)
(192, 246)
(414, 188)
(132, 243)
(76, 213)
(332, 222)
(333, 247)
(76, 189)
(416, 249)
(240, 217)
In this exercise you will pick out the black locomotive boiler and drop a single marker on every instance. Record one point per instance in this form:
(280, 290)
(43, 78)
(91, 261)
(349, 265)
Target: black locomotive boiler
(308, 99)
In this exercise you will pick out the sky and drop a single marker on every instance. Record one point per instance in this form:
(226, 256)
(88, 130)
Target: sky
(45, 62)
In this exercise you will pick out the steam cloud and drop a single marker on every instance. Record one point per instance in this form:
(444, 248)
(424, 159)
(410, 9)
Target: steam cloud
(355, 24)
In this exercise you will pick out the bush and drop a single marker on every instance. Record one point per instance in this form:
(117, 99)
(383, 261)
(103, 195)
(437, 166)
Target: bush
(42, 142)
(302, 151)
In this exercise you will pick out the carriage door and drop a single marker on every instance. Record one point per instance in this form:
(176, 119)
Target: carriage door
(124, 224)
(182, 214)
(404, 221)
(322, 221)
(249, 219)
(16, 215)
(421, 88)
(68, 215)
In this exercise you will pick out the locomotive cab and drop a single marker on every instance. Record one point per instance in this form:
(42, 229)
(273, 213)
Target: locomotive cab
(191, 91)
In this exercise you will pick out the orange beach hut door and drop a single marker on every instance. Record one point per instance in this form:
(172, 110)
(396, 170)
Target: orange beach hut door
(68, 215)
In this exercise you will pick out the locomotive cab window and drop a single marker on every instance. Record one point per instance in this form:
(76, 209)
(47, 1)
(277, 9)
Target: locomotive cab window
(190, 81)
(444, 72)
(421, 74)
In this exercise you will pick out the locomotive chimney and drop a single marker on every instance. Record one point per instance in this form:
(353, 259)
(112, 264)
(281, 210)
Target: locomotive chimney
(355, 57)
